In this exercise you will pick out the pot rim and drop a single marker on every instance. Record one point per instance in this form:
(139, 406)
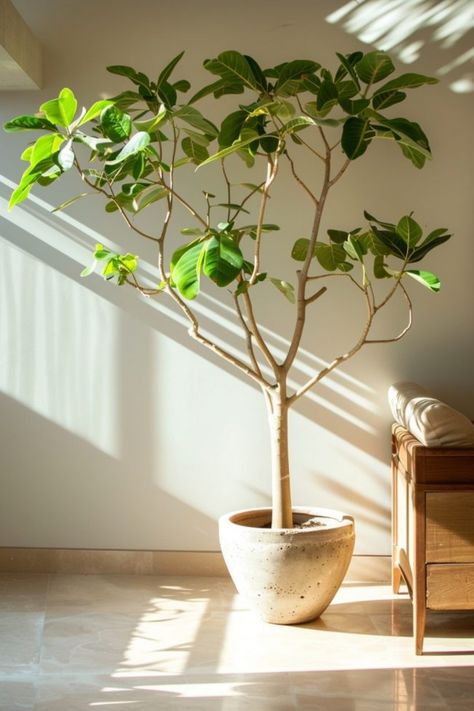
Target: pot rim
(344, 520)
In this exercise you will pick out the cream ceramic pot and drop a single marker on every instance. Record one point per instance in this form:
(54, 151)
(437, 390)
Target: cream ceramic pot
(287, 575)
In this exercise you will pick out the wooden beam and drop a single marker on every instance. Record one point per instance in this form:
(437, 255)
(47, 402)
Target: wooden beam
(20, 52)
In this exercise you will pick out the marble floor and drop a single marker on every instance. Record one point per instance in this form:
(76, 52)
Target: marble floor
(74, 642)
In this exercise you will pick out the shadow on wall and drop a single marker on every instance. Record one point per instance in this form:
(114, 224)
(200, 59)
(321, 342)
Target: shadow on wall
(36, 508)
(411, 29)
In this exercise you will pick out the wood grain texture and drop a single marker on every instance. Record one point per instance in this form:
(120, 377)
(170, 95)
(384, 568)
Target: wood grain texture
(450, 587)
(450, 527)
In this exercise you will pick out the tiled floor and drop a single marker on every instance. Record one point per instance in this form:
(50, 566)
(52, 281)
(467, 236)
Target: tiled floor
(71, 642)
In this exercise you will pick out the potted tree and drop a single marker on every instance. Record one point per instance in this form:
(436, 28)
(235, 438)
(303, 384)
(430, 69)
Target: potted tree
(133, 149)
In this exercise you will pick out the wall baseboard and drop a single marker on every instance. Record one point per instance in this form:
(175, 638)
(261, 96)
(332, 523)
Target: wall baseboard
(363, 568)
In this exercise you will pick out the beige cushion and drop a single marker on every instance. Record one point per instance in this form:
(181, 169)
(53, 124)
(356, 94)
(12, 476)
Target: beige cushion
(431, 421)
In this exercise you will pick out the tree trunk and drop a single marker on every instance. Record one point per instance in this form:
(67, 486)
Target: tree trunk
(281, 493)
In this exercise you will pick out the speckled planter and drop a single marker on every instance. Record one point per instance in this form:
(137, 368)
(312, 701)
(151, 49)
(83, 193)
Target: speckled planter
(287, 575)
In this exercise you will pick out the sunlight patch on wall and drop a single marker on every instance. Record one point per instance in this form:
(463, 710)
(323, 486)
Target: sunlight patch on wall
(57, 346)
(407, 28)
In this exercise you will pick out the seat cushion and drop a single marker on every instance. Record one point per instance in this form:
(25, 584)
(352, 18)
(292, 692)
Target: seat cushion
(431, 421)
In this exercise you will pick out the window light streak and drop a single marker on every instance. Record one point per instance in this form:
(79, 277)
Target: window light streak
(395, 25)
(78, 248)
(459, 61)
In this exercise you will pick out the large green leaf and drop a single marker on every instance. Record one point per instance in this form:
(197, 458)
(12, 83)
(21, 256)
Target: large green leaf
(62, 110)
(409, 230)
(356, 137)
(406, 81)
(327, 96)
(94, 111)
(257, 72)
(291, 74)
(136, 144)
(152, 123)
(231, 127)
(197, 152)
(387, 98)
(428, 279)
(434, 239)
(29, 178)
(330, 256)
(300, 249)
(45, 147)
(233, 68)
(149, 195)
(223, 260)
(374, 67)
(194, 118)
(186, 272)
(353, 106)
(115, 124)
(29, 123)
(393, 242)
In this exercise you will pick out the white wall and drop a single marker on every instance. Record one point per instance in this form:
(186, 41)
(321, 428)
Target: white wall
(120, 433)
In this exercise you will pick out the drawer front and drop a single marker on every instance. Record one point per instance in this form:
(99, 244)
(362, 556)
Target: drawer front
(450, 527)
(450, 587)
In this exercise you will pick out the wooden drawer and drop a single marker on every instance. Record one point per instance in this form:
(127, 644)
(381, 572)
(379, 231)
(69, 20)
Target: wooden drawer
(450, 587)
(450, 527)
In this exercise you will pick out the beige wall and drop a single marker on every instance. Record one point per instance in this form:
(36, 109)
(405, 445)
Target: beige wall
(120, 433)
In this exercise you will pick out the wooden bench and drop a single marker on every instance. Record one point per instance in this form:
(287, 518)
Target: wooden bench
(432, 526)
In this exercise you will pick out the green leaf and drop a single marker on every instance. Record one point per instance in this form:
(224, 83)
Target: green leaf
(379, 268)
(330, 256)
(434, 239)
(387, 98)
(354, 249)
(356, 137)
(150, 124)
(338, 236)
(197, 152)
(428, 279)
(194, 118)
(115, 124)
(374, 67)
(62, 110)
(348, 62)
(223, 260)
(218, 88)
(288, 290)
(231, 127)
(137, 143)
(327, 96)
(196, 231)
(183, 85)
(351, 106)
(291, 75)
(197, 137)
(29, 178)
(236, 146)
(186, 271)
(137, 78)
(300, 249)
(257, 73)
(297, 124)
(406, 81)
(233, 68)
(28, 123)
(395, 244)
(166, 73)
(148, 196)
(409, 230)
(45, 147)
(94, 111)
